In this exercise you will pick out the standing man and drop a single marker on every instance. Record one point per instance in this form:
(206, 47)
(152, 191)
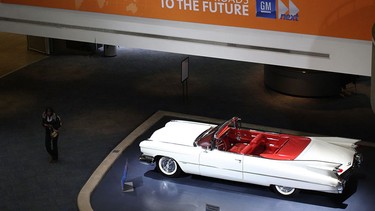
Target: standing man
(51, 122)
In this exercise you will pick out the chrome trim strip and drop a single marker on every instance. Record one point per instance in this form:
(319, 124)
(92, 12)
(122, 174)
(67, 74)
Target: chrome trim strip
(297, 180)
(184, 162)
(220, 168)
(265, 175)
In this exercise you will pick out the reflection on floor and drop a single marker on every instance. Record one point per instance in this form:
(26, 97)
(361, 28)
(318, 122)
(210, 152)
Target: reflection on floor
(14, 54)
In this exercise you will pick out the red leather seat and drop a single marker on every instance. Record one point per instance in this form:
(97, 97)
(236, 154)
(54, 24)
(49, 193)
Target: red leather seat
(248, 150)
(237, 147)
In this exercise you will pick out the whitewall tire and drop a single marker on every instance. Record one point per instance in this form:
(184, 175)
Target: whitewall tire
(285, 191)
(168, 166)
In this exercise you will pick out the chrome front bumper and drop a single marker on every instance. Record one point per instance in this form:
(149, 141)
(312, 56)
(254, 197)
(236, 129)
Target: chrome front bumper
(357, 161)
(146, 159)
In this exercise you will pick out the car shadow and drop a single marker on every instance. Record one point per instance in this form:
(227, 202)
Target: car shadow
(304, 196)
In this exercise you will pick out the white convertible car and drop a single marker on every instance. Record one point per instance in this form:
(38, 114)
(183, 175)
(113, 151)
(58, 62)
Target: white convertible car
(285, 162)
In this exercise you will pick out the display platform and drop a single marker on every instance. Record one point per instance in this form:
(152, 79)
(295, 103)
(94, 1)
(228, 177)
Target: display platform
(146, 189)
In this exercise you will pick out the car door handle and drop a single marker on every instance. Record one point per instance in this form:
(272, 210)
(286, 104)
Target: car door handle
(239, 160)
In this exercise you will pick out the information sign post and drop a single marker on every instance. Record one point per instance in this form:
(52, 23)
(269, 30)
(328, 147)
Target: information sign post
(184, 78)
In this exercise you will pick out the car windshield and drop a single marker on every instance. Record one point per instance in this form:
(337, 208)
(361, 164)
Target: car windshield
(205, 138)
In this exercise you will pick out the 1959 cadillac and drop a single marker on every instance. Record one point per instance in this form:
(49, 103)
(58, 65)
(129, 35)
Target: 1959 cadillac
(227, 151)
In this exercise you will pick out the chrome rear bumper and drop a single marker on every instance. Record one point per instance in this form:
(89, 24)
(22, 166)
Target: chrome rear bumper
(358, 160)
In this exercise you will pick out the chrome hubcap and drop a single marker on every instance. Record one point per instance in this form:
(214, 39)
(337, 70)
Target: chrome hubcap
(285, 190)
(168, 165)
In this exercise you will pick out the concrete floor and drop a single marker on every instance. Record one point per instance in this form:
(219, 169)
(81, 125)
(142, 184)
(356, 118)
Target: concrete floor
(102, 99)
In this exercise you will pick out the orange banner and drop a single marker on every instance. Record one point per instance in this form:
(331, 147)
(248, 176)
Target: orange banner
(351, 19)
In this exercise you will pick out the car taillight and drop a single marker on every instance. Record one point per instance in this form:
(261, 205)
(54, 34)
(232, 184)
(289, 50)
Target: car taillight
(338, 170)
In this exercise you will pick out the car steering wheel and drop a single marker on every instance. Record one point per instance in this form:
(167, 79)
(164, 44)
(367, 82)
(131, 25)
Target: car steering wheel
(221, 145)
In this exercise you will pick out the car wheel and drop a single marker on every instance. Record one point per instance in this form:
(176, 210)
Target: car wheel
(168, 167)
(285, 191)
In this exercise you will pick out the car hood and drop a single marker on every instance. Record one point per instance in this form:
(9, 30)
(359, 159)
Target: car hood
(180, 132)
(319, 150)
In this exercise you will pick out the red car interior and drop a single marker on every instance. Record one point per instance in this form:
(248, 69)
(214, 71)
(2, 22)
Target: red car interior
(267, 145)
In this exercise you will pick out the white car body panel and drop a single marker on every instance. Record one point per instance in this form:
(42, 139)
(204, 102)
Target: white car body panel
(180, 132)
(328, 152)
(312, 169)
(230, 168)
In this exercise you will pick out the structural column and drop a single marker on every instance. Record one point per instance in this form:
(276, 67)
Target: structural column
(110, 50)
(303, 82)
(373, 70)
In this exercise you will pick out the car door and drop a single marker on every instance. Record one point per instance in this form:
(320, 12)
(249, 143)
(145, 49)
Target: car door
(261, 171)
(221, 164)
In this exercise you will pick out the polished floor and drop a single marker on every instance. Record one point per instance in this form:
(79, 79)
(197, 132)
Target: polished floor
(102, 99)
(14, 54)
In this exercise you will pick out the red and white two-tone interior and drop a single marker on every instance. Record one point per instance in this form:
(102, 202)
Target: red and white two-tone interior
(233, 139)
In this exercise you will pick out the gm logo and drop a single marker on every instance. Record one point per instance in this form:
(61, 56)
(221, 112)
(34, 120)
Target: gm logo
(267, 9)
